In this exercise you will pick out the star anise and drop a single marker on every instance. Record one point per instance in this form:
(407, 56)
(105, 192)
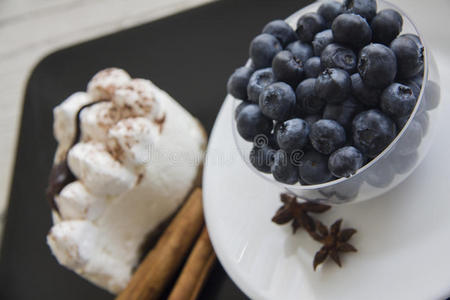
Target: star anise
(297, 212)
(333, 240)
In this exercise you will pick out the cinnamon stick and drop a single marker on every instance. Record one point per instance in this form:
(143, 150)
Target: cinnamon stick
(162, 263)
(195, 271)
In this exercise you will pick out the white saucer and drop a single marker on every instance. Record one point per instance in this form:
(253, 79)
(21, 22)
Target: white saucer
(403, 237)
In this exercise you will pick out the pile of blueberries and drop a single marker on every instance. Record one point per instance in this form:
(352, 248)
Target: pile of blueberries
(335, 90)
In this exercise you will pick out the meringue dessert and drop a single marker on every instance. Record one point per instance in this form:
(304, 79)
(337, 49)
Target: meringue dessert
(127, 157)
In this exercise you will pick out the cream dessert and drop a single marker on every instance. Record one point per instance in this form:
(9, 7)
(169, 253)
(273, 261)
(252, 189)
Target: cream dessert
(128, 155)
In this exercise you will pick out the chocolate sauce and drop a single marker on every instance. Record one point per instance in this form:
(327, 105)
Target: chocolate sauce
(60, 174)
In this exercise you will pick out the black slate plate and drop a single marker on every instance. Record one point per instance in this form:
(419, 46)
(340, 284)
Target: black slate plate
(190, 55)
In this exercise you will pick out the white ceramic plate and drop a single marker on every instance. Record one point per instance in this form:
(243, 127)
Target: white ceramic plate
(403, 237)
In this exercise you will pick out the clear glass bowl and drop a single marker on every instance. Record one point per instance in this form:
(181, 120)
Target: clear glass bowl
(396, 162)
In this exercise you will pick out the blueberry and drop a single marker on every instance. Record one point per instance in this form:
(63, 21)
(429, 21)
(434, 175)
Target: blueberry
(344, 191)
(288, 68)
(333, 85)
(313, 168)
(337, 56)
(296, 112)
(251, 122)
(351, 30)
(308, 25)
(398, 100)
(239, 108)
(281, 30)
(265, 139)
(418, 79)
(373, 131)
(328, 192)
(283, 170)
(401, 122)
(262, 158)
(330, 10)
(344, 112)
(386, 26)
(326, 136)
(311, 119)
(411, 139)
(410, 55)
(402, 164)
(345, 161)
(424, 121)
(349, 189)
(365, 8)
(292, 134)
(272, 141)
(258, 81)
(432, 95)
(377, 65)
(277, 100)
(413, 85)
(321, 40)
(366, 95)
(312, 67)
(381, 174)
(263, 49)
(307, 99)
(238, 81)
(301, 50)
(414, 37)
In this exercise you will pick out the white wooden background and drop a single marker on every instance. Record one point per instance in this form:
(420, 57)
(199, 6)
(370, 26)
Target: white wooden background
(31, 29)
